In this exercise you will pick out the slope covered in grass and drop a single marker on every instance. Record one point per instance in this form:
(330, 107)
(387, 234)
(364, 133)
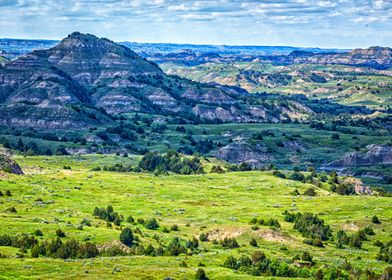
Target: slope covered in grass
(61, 192)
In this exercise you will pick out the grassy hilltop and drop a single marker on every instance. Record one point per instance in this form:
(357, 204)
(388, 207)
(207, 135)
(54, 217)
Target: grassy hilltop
(62, 192)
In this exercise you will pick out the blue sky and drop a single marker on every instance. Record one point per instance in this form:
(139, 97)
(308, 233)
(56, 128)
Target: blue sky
(339, 23)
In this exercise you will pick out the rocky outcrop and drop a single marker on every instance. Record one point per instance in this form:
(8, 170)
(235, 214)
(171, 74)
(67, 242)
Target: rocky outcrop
(3, 59)
(239, 152)
(95, 150)
(294, 146)
(9, 166)
(376, 154)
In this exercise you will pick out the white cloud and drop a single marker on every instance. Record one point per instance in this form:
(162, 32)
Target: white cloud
(300, 22)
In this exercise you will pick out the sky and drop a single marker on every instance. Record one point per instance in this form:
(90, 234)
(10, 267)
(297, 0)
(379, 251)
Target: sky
(304, 23)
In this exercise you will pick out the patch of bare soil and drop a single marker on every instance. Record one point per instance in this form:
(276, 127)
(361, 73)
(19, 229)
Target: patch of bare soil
(272, 235)
(113, 244)
(351, 226)
(219, 234)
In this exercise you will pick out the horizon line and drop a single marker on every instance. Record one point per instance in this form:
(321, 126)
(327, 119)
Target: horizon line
(197, 44)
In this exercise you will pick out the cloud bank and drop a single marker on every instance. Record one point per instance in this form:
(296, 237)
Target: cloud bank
(325, 23)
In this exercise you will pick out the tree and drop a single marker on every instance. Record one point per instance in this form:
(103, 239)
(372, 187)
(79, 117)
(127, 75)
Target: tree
(126, 236)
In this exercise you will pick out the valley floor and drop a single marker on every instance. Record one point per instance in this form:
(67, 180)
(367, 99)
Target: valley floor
(49, 197)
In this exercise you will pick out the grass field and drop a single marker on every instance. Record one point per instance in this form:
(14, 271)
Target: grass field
(49, 197)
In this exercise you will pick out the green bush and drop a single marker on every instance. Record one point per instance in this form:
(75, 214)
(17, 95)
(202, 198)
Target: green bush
(151, 224)
(60, 233)
(230, 243)
(201, 275)
(126, 237)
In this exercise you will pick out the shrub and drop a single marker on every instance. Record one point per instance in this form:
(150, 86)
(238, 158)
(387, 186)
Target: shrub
(171, 161)
(368, 231)
(258, 256)
(87, 250)
(217, 169)
(269, 222)
(8, 193)
(230, 243)
(279, 174)
(11, 209)
(355, 241)
(150, 250)
(201, 275)
(174, 227)
(35, 251)
(387, 274)
(311, 227)
(38, 232)
(86, 222)
(310, 192)
(151, 224)
(335, 136)
(175, 247)
(231, 262)
(385, 253)
(126, 237)
(295, 192)
(375, 220)
(130, 219)
(307, 257)
(342, 239)
(194, 243)
(253, 242)
(60, 233)
(343, 189)
(297, 176)
(203, 237)
(108, 214)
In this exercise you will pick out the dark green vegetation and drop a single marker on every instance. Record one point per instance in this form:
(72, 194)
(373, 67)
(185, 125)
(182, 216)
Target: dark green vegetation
(236, 225)
(283, 145)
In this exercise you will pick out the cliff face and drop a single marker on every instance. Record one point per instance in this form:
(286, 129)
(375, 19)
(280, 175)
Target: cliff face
(83, 80)
(376, 154)
(9, 166)
(239, 152)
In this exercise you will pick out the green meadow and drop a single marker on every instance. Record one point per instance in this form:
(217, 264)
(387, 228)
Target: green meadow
(48, 197)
